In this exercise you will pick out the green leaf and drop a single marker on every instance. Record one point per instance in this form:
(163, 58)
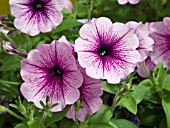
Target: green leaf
(110, 87)
(166, 83)
(53, 125)
(13, 105)
(56, 116)
(103, 115)
(11, 64)
(23, 41)
(22, 125)
(138, 91)
(129, 102)
(2, 109)
(42, 104)
(34, 123)
(66, 24)
(121, 123)
(163, 123)
(166, 107)
(99, 125)
(66, 123)
(150, 114)
(153, 98)
(83, 125)
(130, 77)
(158, 73)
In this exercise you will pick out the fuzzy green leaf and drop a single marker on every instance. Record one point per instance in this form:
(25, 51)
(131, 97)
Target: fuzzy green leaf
(129, 102)
(103, 115)
(121, 123)
(166, 83)
(166, 107)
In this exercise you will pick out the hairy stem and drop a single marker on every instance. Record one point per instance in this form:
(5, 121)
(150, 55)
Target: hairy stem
(43, 119)
(147, 73)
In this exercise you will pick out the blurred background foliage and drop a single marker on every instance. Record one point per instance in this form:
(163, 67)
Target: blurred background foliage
(146, 10)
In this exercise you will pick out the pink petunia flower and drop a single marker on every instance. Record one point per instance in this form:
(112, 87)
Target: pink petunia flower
(35, 16)
(122, 2)
(51, 70)
(160, 33)
(149, 66)
(145, 42)
(68, 4)
(90, 93)
(107, 50)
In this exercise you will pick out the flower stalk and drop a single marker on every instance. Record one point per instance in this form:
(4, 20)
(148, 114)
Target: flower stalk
(43, 119)
(89, 8)
(115, 101)
(147, 73)
(76, 119)
(12, 113)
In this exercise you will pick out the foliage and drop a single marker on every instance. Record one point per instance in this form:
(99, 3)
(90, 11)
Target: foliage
(134, 102)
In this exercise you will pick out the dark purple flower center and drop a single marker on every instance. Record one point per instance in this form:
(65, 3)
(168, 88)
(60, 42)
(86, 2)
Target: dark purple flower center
(56, 71)
(102, 51)
(37, 5)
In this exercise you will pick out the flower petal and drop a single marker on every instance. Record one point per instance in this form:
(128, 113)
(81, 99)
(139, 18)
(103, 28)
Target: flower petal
(116, 68)
(149, 66)
(134, 1)
(65, 58)
(43, 57)
(94, 29)
(82, 45)
(63, 94)
(122, 1)
(89, 106)
(93, 62)
(124, 37)
(73, 78)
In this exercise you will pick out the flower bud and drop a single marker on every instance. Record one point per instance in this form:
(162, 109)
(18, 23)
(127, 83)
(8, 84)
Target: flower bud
(9, 48)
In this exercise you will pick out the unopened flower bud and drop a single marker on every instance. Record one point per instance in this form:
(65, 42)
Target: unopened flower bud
(128, 86)
(9, 48)
(12, 50)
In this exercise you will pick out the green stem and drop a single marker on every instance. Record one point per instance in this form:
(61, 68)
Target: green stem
(43, 119)
(75, 9)
(12, 113)
(115, 101)
(76, 119)
(9, 82)
(89, 8)
(147, 73)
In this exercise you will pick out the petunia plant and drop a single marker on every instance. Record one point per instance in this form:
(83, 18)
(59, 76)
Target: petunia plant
(85, 64)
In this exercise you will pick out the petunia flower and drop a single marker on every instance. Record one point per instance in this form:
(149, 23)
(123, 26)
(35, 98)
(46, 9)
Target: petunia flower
(122, 2)
(106, 50)
(149, 66)
(145, 42)
(90, 93)
(68, 4)
(51, 70)
(160, 33)
(35, 16)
